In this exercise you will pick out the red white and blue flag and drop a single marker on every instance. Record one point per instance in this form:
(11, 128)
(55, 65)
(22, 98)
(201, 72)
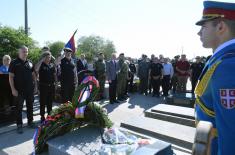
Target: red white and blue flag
(71, 43)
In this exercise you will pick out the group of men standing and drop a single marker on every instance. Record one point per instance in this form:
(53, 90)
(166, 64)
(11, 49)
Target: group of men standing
(118, 72)
(24, 76)
(215, 91)
(170, 75)
(118, 75)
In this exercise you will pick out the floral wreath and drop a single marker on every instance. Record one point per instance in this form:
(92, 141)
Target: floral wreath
(70, 116)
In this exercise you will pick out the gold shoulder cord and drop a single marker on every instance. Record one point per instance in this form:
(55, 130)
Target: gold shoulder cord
(202, 86)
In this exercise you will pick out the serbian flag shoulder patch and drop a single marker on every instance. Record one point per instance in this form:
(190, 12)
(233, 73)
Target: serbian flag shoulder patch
(227, 98)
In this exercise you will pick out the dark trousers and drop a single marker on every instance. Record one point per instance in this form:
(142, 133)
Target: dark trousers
(127, 89)
(150, 86)
(130, 83)
(19, 101)
(156, 86)
(112, 90)
(102, 86)
(67, 92)
(174, 82)
(166, 84)
(194, 83)
(47, 94)
(143, 85)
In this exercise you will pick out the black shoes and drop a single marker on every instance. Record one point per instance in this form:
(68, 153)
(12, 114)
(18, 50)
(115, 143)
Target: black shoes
(19, 129)
(42, 119)
(116, 101)
(32, 125)
(156, 95)
(121, 99)
(111, 102)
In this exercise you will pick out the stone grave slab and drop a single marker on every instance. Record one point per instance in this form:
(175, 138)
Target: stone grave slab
(86, 140)
(157, 148)
(174, 110)
(182, 99)
(170, 118)
(177, 134)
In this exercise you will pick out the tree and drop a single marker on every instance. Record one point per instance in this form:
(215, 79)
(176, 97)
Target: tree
(56, 47)
(108, 49)
(92, 45)
(11, 39)
(34, 54)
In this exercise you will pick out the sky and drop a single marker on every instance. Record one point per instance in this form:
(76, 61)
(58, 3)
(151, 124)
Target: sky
(135, 26)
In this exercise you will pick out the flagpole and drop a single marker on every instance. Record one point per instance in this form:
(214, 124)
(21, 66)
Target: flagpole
(75, 32)
(26, 16)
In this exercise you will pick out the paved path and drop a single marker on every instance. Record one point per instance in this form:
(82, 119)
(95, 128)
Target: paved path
(22, 144)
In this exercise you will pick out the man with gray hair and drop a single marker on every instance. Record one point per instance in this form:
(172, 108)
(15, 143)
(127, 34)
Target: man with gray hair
(21, 79)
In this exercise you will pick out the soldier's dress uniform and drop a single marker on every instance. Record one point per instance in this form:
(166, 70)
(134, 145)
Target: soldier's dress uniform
(100, 70)
(215, 92)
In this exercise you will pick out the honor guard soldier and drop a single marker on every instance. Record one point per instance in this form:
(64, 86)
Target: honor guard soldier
(21, 79)
(47, 77)
(215, 92)
(68, 76)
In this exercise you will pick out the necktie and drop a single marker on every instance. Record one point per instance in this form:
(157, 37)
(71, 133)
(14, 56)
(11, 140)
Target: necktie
(114, 64)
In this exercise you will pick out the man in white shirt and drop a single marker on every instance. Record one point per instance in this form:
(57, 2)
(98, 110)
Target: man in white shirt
(168, 72)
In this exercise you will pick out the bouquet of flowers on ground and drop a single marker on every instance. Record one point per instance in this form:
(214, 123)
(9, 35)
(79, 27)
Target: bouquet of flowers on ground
(72, 115)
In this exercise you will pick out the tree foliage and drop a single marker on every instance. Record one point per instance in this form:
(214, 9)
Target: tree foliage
(11, 39)
(92, 45)
(56, 47)
(34, 54)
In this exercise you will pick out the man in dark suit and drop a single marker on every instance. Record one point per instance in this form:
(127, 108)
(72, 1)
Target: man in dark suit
(81, 65)
(112, 69)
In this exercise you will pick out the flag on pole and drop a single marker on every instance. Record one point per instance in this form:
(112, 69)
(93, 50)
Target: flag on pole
(71, 43)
